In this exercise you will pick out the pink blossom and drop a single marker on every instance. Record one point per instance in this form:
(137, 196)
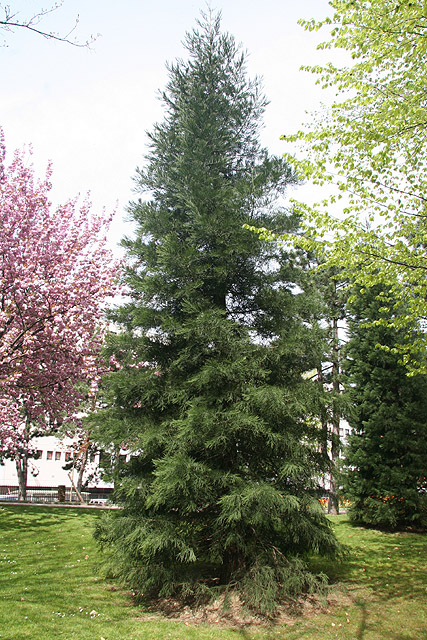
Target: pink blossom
(56, 276)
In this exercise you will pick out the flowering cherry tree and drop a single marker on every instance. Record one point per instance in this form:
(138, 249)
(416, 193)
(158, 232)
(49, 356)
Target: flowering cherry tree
(56, 275)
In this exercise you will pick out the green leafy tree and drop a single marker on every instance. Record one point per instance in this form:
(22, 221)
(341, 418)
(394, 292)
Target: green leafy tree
(369, 150)
(387, 453)
(210, 393)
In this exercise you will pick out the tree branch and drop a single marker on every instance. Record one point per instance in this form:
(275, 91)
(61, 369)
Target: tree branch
(10, 21)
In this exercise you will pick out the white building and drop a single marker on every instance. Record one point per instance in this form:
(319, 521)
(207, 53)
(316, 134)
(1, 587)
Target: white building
(47, 470)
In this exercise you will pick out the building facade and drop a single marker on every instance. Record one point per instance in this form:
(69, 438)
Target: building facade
(47, 470)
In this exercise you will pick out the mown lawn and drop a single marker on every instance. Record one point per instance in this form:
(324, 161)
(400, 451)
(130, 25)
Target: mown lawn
(51, 589)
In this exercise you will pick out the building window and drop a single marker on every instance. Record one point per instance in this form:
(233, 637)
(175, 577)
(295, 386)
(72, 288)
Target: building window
(57, 455)
(67, 456)
(49, 455)
(39, 454)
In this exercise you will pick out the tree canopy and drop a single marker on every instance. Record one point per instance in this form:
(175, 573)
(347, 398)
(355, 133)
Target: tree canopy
(56, 274)
(210, 393)
(386, 458)
(369, 150)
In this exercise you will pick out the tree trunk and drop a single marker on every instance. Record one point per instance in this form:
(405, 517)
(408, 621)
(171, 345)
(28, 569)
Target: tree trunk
(232, 560)
(21, 461)
(324, 423)
(83, 463)
(333, 502)
(323, 415)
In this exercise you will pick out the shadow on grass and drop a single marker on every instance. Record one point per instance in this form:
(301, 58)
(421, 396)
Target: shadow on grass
(380, 570)
(363, 620)
(378, 567)
(389, 564)
(365, 627)
(27, 518)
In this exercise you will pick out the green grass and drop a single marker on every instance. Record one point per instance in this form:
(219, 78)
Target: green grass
(51, 588)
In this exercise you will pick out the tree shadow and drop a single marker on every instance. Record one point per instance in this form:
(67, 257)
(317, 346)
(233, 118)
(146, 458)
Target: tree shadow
(391, 565)
(363, 620)
(365, 627)
(35, 518)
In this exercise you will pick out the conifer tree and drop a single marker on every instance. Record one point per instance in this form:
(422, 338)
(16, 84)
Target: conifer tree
(209, 391)
(387, 453)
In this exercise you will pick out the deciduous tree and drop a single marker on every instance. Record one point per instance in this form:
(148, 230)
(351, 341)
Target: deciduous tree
(369, 151)
(56, 274)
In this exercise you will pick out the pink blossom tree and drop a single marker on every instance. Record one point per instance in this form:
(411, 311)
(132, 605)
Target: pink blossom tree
(56, 275)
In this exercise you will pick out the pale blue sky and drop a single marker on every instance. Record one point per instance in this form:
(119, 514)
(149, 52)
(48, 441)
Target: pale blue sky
(88, 111)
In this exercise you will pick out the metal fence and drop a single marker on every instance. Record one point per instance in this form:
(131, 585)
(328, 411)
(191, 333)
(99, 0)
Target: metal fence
(45, 495)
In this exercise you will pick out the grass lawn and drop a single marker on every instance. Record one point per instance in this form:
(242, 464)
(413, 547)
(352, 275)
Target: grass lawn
(50, 588)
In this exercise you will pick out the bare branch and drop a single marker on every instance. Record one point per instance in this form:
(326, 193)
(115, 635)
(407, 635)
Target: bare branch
(10, 21)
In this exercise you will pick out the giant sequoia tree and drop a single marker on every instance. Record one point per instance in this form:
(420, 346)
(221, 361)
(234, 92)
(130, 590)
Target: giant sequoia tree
(209, 391)
(388, 412)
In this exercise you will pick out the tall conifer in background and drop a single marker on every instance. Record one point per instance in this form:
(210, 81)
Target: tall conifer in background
(210, 392)
(387, 453)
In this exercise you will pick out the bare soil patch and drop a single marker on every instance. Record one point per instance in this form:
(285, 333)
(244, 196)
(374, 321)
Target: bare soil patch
(232, 612)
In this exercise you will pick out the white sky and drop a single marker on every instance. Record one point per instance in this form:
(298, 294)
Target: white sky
(88, 111)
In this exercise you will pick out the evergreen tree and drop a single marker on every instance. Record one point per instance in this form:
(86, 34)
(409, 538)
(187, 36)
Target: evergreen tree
(386, 456)
(210, 392)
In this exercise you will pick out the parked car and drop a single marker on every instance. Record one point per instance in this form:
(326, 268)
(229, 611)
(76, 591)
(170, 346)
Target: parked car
(99, 501)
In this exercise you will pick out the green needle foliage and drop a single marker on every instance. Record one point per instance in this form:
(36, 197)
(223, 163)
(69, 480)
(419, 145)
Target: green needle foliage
(387, 453)
(210, 393)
